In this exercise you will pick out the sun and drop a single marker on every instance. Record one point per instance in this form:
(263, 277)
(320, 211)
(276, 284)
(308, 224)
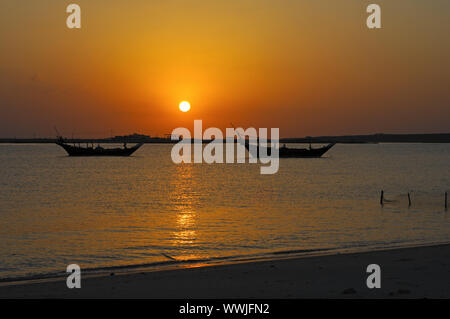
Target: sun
(184, 106)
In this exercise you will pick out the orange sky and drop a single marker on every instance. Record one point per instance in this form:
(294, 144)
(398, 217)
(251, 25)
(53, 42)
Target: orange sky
(307, 67)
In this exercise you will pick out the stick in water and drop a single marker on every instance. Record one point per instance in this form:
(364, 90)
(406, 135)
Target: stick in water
(167, 256)
(445, 200)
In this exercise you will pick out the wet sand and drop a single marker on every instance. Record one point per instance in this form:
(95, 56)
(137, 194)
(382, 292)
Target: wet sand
(419, 272)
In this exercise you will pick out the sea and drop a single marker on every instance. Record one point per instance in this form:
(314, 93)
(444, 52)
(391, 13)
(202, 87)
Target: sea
(143, 211)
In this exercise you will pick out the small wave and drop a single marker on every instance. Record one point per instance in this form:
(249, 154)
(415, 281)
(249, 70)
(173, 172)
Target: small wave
(166, 265)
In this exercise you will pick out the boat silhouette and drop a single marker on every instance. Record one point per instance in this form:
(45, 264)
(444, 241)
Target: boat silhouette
(257, 150)
(74, 150)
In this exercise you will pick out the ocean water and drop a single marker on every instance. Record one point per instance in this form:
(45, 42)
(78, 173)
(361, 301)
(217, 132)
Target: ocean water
(144, 210)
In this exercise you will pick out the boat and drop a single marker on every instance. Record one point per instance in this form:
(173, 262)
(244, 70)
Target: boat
(283, 152)
(304, 152)
(74, 150)
(286, 152)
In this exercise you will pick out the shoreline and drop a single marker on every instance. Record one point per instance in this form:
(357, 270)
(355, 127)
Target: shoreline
(177, 264)
(285, 276)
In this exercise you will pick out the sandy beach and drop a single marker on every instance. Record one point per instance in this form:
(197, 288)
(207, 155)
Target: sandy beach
(419, 272)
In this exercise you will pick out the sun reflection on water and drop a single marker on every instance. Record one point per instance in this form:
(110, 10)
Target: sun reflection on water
(185, 233)
(184, 198)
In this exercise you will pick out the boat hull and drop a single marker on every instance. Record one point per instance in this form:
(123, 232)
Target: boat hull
(90, 151)
(284, 152)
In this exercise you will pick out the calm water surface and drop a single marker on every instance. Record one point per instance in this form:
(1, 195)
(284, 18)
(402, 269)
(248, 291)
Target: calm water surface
(99, 212)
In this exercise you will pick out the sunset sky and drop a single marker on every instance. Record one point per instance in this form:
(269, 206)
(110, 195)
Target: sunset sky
(307, 67)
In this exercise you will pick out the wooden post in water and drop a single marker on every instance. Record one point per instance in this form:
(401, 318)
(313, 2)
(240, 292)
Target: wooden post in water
(381, 197)
(445, 200)
(409, 200)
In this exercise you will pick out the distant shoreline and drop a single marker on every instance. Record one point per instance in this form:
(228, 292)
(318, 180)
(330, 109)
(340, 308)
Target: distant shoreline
(345, 139)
